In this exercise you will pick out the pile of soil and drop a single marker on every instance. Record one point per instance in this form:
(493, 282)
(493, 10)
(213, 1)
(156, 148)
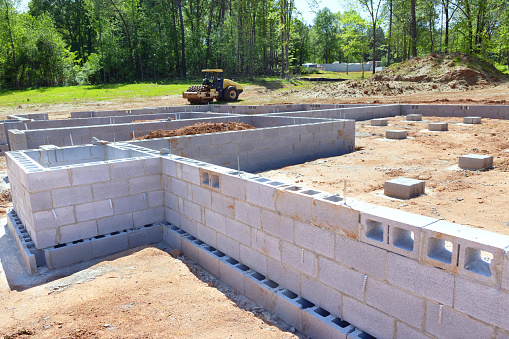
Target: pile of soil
(457, 68)
(199, 128)
(434, 73)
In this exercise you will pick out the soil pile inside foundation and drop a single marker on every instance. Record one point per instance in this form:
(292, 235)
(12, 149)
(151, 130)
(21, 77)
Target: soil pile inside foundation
(199, 128)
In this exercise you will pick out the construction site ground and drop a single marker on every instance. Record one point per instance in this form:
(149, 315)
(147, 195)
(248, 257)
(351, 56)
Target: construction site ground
(147, 293)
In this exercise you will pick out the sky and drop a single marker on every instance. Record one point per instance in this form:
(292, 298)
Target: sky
(302, 6)
(308, 14)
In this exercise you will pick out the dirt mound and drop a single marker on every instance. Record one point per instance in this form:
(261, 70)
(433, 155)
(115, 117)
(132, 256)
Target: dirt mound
(199, 128)
(439, 68)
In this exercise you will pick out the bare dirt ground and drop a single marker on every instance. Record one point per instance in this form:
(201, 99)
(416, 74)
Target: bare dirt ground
(141, 293)
(199, 128)
(473, 198)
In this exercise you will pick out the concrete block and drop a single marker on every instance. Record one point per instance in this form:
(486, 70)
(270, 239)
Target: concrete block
(126, 169)
(232, 275)
(109, 244)
(318, 323)
(314, 239)
(110, 189)
(438, 126)
(149, 216)
(505, 274)
(254, 259)
(283, 274)
(395, 302)
(215, 221)
(293, 204)
(128, 204)
(73, 195)
(172, 236)
(189, 173)
(145, 235)
(331, 213)
(68, 254)
(368, 319)
(404, 188)
(208, 261)
(202, 196)
(233, 186)
(502, 334)
(482, 302)
(260, 194)
(89, 174)
(115, 223)
(78, 231)
(430, 282)
(454, 324)
(321, 295)
(300, 259)
(46, 219)
(471, 120)
(396, 134)
(238, 231)
(228, 246)
(179, 188)
(287, 308)
(145, 183)
(223, 205)
(475, 162)
(192, 211)
(248, 214)
(206, 234)
(48, 179)
(405, 228)
(379, 122)
(265, 244)
(93, 210)
(278, 225)
(155, 198)
(40, 201)
(341, 278)
(414, 117)
(360, 256)
(403, 331)
(153, 166)
(190, 248)
(258, 292)
(44, 238)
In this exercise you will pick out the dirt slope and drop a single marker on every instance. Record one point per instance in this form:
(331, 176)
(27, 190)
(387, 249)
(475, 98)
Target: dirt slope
(434, 73)
(199, 128)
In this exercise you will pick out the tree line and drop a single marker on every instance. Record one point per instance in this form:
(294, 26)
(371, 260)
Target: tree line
(66, 42)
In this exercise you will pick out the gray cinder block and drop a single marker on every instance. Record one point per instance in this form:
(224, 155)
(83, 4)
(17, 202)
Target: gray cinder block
(471, 120)
(396, 134)
(404, 188)
(475, 161)
(438, 126)
(379, 122)
(414, 117)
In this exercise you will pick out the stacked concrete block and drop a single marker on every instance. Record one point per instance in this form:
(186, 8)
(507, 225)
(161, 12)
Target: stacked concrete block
(475, 162)
(379, 122)
(472, 120)
(414, 117)
(396, 134)
(438, 126)
(404, 188)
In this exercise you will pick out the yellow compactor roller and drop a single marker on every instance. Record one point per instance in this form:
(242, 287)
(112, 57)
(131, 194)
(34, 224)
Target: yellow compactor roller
(214, 87)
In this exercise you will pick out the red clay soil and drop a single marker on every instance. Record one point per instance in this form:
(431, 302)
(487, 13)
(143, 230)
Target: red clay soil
(199, 128)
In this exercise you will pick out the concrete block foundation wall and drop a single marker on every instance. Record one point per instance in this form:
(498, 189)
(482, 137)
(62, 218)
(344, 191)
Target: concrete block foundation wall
(484, 111)
(388, 272)
(94, 190)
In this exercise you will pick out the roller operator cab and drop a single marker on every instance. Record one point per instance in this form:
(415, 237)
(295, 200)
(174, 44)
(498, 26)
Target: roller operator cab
(214, 86)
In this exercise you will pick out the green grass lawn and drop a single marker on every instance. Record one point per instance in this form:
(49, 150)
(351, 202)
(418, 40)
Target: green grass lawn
(76, 94)
(112, 92)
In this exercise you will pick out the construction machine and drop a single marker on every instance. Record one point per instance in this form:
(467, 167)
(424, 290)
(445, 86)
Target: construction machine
(214, 87)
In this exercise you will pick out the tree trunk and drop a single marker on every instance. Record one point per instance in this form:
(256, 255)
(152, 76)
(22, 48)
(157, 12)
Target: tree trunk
(374, 45)
(183, 62)
(11, 40)
(414, 29)
(390, 34)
